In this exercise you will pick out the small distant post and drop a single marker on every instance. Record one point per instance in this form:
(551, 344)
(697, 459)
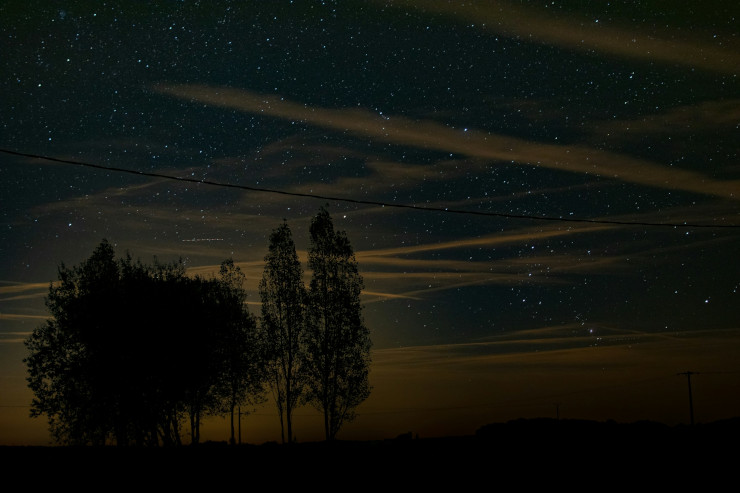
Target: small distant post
(691, 400)
(240, 424)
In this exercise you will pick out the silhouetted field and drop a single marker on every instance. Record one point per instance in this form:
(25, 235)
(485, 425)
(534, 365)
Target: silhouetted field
(525, 452)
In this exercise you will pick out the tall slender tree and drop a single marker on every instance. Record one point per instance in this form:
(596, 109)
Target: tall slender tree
(283, 323)
(337, 341)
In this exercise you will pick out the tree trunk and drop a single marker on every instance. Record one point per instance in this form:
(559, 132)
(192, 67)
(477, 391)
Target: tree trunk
(232, 440)
(288, 408)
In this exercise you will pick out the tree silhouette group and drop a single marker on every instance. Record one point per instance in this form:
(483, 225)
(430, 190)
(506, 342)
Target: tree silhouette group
(317, 346)
(132, 351)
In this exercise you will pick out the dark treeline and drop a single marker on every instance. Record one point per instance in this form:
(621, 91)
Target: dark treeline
(132, 352)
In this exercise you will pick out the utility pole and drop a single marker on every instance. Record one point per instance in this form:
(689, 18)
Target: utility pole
(691, 400)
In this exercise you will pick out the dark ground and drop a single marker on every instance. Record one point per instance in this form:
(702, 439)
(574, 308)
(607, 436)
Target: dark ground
(519, 454)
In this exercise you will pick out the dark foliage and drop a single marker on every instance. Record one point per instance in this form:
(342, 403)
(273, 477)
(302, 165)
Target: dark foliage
(283, 324)
(337, 342)
(132, 349)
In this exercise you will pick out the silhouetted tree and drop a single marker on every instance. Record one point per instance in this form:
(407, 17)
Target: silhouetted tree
(283, 322)
(188, 326)
(131, 349)
(69, 373)
(242, 373)
(337, 341)
(169, 347)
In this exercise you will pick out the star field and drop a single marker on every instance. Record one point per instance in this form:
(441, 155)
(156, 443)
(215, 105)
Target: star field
(624, 112)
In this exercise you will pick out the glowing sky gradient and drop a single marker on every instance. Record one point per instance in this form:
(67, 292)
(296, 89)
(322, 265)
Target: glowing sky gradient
(575, 111)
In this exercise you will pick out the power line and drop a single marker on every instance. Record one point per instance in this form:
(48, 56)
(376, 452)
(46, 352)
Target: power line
(367, 202)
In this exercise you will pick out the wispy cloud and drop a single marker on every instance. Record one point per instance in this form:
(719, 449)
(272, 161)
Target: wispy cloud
(686, 125)
(20, 316)
(590, 35)
(564, 345)
(432, 135)
(16, 287)
(518, 236)
(373, 296)
(23, 291)
(417, 271)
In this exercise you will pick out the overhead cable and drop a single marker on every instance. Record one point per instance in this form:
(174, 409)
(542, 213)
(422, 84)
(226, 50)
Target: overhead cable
(446, 210)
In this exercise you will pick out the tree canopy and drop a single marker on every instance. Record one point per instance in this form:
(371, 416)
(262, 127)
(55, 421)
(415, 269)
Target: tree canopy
(131, 349)
(337, 342)
(316, 344)
(283, 297)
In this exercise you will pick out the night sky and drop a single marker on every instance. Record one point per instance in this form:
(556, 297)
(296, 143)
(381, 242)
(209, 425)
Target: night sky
(531, 116)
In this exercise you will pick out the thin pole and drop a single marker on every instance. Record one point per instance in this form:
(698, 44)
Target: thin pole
(691, 400)
(240, 425)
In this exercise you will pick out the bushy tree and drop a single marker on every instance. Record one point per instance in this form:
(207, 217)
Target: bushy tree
(337, 342)
(283, 324)
(69, 373)
(131, 349)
